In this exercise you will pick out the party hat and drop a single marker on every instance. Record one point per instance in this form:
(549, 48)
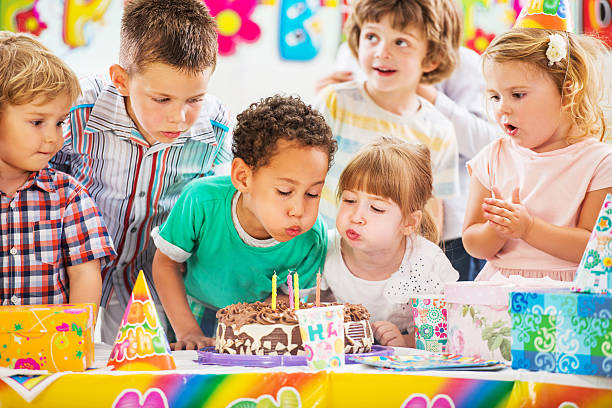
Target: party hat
(549, 14)
(141, 343)
(594, 273)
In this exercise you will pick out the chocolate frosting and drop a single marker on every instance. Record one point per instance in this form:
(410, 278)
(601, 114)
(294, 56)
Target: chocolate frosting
(240, 314)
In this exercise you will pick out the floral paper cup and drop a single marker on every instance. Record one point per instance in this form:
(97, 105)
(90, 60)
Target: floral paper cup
(430, 322)
(322, 330)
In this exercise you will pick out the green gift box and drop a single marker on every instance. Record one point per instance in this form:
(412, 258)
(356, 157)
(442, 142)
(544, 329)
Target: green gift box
(562, 331)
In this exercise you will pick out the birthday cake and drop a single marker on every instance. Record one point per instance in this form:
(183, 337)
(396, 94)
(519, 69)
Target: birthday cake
(256, 329)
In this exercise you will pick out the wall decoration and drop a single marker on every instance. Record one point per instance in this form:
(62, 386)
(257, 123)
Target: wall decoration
(483, 19)
(21, 16)
(77, 13)
(234, 23)
(597, 19)
(299, 29)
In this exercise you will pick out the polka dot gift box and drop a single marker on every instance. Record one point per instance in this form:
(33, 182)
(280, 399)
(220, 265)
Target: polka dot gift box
(47, 337)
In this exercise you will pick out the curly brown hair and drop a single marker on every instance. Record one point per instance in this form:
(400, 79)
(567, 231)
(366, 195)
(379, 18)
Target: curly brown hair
(260, 127)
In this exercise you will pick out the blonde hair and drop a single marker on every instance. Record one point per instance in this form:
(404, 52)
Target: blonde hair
(577, 76)
(398, 171)
(30, 70)
(440, 21)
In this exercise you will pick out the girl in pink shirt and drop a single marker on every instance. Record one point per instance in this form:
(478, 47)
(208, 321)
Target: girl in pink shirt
(535, 193)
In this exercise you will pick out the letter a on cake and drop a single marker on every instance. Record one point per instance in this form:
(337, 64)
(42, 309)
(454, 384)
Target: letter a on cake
(594, 273)
(549, 14)
(141, 343)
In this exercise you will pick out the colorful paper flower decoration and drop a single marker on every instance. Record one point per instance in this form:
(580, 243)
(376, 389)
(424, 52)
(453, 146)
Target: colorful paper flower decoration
(480, 41)
(234, 23)
(28, 21)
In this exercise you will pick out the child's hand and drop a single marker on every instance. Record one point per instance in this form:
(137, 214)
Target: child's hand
(509, 219)
(388, 334)
(336, 77)
(192, 341)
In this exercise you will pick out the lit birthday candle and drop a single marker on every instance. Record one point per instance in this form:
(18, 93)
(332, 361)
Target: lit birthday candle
(296, 291)
(274, 291)
(290, 285)
(318, 292)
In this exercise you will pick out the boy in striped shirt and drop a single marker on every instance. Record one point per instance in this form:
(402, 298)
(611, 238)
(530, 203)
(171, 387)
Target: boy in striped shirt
(399, 45)
(52, 237)
(137, 141)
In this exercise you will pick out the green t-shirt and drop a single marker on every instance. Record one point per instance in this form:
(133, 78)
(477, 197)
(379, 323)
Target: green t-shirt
(221, 268)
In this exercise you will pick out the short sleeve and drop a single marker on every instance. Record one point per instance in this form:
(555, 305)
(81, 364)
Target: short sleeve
(479, 166)
(326, 103)
(84, 235)
(178, 237)
(445, 167)
(601, 177)
(444, 269)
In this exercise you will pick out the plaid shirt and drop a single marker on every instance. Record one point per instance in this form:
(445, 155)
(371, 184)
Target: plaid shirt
(134, 184)
(51, 223)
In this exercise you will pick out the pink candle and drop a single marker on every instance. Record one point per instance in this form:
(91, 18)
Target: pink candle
(290, 284)
(318, 292)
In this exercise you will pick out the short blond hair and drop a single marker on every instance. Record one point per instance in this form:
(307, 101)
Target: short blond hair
(398, 171)
(440, 21)
(577, 77)
(30, 70)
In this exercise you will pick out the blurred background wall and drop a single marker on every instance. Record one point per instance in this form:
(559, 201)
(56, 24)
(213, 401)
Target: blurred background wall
(265, 46)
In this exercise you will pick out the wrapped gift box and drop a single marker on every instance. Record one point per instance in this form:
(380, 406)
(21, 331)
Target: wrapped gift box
(478, 320)
(479, 324)
(562, 331)
(47, 337)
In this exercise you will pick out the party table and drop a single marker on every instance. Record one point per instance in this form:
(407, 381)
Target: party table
(194, 385)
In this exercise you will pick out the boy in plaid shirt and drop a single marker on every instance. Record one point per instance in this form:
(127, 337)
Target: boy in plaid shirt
(52, 236)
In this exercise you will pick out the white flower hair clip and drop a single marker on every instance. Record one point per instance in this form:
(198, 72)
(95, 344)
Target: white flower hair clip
(557, 49)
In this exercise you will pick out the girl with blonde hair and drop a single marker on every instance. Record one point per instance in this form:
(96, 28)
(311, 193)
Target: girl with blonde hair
(385, 247)
(535, 193)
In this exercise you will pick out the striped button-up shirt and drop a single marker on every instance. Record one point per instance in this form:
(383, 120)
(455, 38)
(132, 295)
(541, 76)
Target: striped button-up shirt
(133, 183)
(48, 225)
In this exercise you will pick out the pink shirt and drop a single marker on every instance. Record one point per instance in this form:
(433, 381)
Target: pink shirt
(552, 187)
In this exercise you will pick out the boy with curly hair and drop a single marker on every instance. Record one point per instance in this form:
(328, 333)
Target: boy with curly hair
(136, 142)
(399, 44)
(235, 232)
(52, 236)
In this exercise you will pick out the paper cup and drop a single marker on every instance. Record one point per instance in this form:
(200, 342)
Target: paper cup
(322, 330)
(430, 323)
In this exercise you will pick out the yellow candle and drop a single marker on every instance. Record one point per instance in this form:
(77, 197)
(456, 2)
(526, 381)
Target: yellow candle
(296, 290)
(274, 291)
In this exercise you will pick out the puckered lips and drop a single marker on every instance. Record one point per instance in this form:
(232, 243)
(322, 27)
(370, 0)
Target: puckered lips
(352, 234)
(293, 231)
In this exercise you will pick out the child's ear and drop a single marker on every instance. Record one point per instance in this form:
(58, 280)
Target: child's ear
(412, 222)
(119, 77)
(241, 175)
(429, 65)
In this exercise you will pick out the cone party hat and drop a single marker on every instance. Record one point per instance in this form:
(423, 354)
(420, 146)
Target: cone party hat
(141, 343)
(548, 14)
(594, 273)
